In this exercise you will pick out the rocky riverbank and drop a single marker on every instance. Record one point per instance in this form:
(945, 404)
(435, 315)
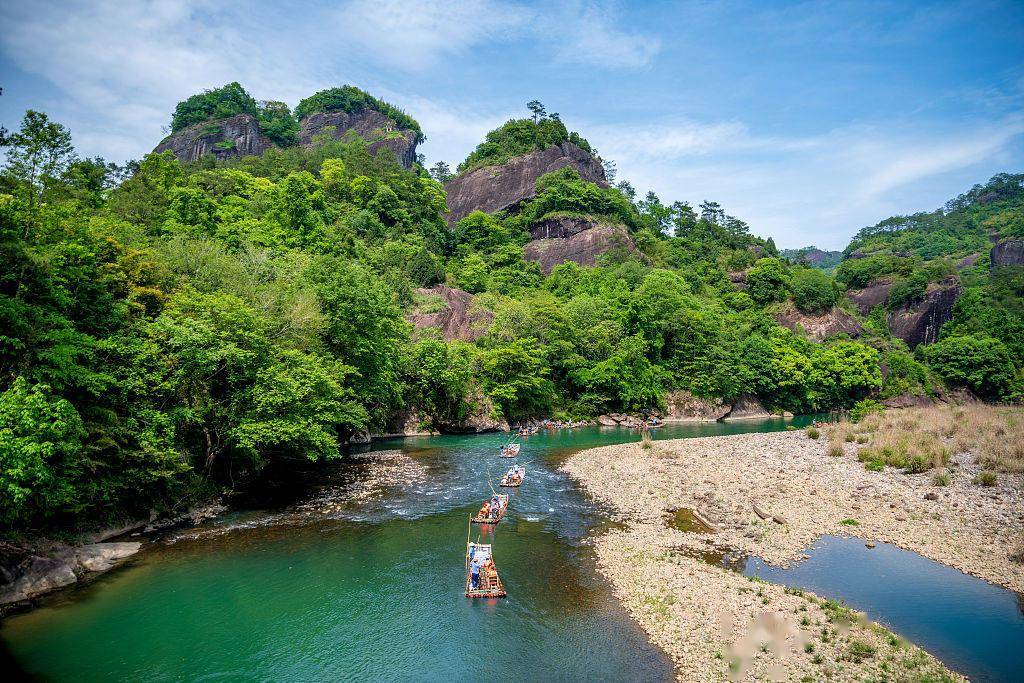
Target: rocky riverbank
(771, 495)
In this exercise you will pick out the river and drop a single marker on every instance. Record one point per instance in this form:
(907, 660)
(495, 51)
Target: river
(332, 586)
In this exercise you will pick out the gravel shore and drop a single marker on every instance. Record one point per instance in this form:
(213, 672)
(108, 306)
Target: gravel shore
(716, 623)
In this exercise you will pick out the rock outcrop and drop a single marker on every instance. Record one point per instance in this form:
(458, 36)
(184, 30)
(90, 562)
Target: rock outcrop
(458, 319)
(683, 406)
(480, 420)
(379, 131)
(1008, 253)
(822, 326)
(921, 322)
(237, 136)
(24, 574)
(496, 188)
(578, 239)
(747, 407)
(874, 294)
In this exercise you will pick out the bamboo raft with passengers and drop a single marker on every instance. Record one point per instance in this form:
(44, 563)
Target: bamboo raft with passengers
(509, 450)
(492, 511)
(514, 477)
(482, 580)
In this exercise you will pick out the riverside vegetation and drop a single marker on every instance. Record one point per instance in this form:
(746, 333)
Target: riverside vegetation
(167, 330)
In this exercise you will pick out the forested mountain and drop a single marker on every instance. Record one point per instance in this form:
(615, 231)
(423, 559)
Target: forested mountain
(812, 256)
(169, 328)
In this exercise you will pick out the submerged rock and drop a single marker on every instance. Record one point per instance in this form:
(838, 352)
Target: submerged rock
(27, 575)
(496, 188)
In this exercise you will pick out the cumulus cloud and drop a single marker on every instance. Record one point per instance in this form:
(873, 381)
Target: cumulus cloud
(803, 189)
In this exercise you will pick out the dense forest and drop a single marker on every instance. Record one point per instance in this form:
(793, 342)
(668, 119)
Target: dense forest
(167, 330)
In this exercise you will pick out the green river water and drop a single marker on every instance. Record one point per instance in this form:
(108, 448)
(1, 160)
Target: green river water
(332, 586)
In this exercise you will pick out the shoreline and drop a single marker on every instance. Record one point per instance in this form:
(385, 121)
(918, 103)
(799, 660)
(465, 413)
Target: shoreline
(694, 610)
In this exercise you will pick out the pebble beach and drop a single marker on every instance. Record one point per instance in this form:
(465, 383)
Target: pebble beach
(771, 495)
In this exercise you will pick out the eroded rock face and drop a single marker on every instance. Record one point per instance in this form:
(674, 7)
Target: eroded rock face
(458, 320)
(874, 294)
(378, 130)
(920, 323)
(496, 188)
(747, 407)
(26, 575)
(822, 326)
(1008, 253)
(237, 136)
(683, 406)
(479, 421)
(582, 247)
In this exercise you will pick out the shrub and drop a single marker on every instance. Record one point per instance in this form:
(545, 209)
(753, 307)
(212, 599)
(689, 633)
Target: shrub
(835, 449)
(768, 281)
(858, 651)
(813, 433)
(218, 103)
(863, 408)
(813, 290)
(351, 99)
(986, 478)
(982, 364)
(875, 466)
(940, 479)
(850, 522)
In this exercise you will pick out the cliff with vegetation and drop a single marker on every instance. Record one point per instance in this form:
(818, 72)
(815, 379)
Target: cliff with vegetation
(228, 122)
(171, 328)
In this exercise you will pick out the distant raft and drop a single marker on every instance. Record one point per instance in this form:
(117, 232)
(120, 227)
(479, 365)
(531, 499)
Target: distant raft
(484, 582)
(509, 450)
(514, 477)
(492, 511)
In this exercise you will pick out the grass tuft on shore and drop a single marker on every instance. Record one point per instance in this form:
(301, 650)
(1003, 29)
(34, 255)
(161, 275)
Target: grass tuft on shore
(924, 438)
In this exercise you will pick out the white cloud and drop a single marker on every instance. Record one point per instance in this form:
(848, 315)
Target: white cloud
(588, 33)
(415, 36)
(800, 190)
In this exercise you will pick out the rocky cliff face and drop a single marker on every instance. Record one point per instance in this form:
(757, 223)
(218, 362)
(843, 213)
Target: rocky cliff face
(378, 130)
(496, 188)
(920, 323)
(822, 326)
(459, 319)
(237, 136)
(1008, 253)
(874, 294)
(584, 242)
(683, 406)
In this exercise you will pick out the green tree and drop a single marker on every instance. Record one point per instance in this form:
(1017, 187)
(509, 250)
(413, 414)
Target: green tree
(42, 465)
(813, 290)
(982, 364)
(768, 281)
(37, 155)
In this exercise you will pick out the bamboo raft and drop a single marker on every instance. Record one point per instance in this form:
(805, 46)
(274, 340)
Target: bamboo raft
(516, 480)
(489, 586)
(503, 502)
(509, 450)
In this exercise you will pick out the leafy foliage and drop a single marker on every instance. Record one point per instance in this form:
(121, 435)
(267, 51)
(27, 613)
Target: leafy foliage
(351, 99)
(521, 136)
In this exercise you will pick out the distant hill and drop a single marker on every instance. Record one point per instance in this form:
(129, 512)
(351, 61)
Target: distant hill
(814, 257)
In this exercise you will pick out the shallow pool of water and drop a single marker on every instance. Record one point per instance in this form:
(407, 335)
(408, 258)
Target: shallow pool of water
(972, 626)
(328, 588)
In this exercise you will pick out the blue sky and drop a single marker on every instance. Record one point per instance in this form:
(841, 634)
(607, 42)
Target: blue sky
(808, 120)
